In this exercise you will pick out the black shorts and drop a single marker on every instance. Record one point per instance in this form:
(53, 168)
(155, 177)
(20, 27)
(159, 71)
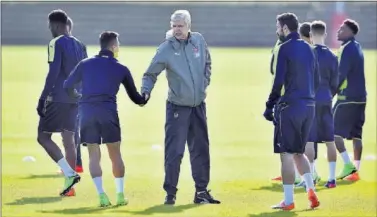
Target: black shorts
(58, 117)
(293, 128)
(322, 129)
(349, 118)
(98, 125)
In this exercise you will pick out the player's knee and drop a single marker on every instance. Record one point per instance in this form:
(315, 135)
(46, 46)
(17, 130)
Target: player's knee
(43, 138)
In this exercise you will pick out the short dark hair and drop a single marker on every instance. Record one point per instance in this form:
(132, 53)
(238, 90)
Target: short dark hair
(289, 19)
(353, 25)
(305, 29)
(106, 38)
(58, 16)
(70, 22)
(318, 27)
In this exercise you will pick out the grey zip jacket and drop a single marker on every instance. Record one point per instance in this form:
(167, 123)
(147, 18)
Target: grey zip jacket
(188, 69)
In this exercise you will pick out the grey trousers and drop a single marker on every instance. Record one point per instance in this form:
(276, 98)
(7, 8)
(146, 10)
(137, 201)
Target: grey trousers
(186, 124)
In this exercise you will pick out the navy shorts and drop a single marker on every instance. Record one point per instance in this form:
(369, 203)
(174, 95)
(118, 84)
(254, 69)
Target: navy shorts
(58, 117)
(322, 129)
(98, 125)
(293, 127)
(349, 118)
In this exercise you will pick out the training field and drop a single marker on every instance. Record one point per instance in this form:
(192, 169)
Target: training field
(241, 146)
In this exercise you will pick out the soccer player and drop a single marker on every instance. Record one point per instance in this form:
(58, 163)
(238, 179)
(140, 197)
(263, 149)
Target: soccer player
(323, 125)
(311, 149)
(279, 42)
(292, 94)
(100, 77)
(349, 110)
(56, 109)
(187, 61)
(79, 167)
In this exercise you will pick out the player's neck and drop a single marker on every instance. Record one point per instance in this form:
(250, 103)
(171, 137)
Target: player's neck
(318, 41)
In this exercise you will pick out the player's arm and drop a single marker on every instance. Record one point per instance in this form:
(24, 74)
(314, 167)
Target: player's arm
(73, 79)
(84, 51)
(334, 79)
(54, 61)
(317, 74)
(208, 67)
(129, 84)
(345, 64)
(155, 68)
(280, 68)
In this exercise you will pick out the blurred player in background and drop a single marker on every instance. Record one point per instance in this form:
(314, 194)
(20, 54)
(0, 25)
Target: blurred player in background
(57, 111)
(186, 119)
(292, 95)
(323, 125)
(79, 167)
(311, 149)
(349, 110)
(101, 77)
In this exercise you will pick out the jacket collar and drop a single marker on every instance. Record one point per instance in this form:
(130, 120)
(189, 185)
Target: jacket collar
(106, 53)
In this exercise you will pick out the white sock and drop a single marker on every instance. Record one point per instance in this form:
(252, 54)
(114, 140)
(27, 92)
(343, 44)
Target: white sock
(98, 182)
(308, 178)
(332, 166)
(119, 184)
(64, 166)
(312, 168)
(288, 194)
(345, 157)
(297, 174)
(357, 164)
(315, 168)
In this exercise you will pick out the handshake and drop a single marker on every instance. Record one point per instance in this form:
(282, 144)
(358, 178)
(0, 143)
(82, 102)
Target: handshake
(144, 100)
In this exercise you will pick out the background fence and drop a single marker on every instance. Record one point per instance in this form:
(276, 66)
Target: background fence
(222, 24)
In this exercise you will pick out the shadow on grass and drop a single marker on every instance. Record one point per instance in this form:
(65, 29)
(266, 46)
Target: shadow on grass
(80, 210)
(275, 214)
(43, 176)
(34, 200)
(160, 209)
(278, 187)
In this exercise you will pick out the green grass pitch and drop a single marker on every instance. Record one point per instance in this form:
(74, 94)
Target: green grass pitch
(241, 146)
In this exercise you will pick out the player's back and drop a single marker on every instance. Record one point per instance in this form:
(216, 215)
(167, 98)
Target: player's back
(101, 78)
(353, 87)
(300, 69)
(65, 52)
(328, 70)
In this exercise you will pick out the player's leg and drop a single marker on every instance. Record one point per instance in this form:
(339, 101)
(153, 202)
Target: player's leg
(356, 135)
(303, 165)
(52, 122)
(326, 134)
(118, 171)
(286, 131)
(176, 129)
(198, 143)
(69, 145)
(96, 172)
(343, 121)
(79, 168)
(111, 135)
(317, 178)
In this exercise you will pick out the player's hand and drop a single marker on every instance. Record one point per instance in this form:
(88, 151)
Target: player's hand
(40, 108)
(269, 115)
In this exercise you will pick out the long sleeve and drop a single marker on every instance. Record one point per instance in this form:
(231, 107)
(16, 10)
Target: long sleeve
(129, 84)
(208, 68)
(317, 74)
(74, 78)
(345, 62)
(334, 79)
(280, 68)
(55, 62)
(155, 68)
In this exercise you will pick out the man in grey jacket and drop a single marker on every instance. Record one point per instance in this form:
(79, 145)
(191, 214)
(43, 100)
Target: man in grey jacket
(187, 62)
